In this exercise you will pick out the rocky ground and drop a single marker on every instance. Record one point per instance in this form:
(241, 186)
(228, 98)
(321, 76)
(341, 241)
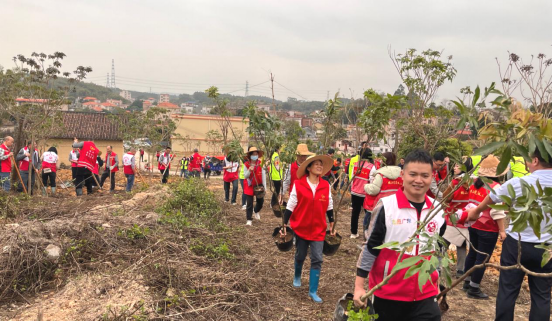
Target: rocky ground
(104, 268)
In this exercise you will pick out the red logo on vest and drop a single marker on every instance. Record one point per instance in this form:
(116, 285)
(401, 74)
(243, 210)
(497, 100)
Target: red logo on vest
(431, 227)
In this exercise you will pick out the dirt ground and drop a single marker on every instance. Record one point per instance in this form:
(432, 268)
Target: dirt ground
(265, 272)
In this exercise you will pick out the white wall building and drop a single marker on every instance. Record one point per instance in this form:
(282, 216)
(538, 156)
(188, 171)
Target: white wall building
(126, 95)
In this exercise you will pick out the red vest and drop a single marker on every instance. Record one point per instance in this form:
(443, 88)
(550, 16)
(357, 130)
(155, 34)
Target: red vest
(24, 164)
(195, 164)
(308, 220)
(127, 167)
(49, 160)
(460, 198)
(96, 168)
(388, 187)
(88, 155)
(293, 174)
(74, 154)
(485, 222)
(161, 166)
(255, 178)
(112, 163)
(5, 165)
(362, 178)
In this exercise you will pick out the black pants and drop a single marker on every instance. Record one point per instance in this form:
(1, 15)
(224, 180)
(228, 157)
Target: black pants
(509, 283)
(206, 173)
(51, 176)
(105, 175)
(74, 173)
(424, 310)
(84, 178)
(165, 175)
(234, 190)
(483, 241)
(336, 184)
(249, 209)
(141, 158)
(302, 246)
(244, 196)
(277, 188)
(25, 178)
(357, 207)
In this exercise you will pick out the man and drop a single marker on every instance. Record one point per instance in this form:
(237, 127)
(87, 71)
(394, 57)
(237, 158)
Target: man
(195, 164)
(276, 170)
(25, 165)
(129, 168)
(354, 159)
(165, 164)
(85, 165)
(182, 166)
(5, 163)
(329, 175)
(142, 155)
(302, 153)
(207, 167)
(509, 283)
(74, 159)
(401, 163)
(336, 173)
(439, 172)
(396, 218)
(111, 162)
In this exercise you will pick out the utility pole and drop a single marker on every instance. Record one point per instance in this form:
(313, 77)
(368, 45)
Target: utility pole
(113, 73)
(246, 89)
(272, 86)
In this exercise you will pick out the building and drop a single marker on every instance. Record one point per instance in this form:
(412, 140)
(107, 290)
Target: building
(126, 95)
(117, 103)
(164, 98)
(264, 107)
(206, 110)
(306, 122)
(188, 108)
(192, 130)
(96, 127)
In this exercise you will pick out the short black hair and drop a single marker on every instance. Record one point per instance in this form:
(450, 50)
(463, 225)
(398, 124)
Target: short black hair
(168, 148)
(331, 151)
(366, 153)
(438, 156)
(338, 159)
(53, 149)
(419, 156)
(538, 155)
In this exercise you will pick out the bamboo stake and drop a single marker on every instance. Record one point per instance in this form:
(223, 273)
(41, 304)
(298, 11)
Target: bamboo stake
(18, 174)
(40, 182)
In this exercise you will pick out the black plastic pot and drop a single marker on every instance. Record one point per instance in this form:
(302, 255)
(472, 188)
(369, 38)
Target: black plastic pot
(341, 312)
(283, 246)
(330, 249)
(279, 210)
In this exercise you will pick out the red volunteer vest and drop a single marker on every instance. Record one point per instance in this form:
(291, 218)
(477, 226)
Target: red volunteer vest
(49, 160)
(5, 165)
(24, 164)
(127, 167)
(230, 176)
(88, 155)
(388, 187)
(162, 166)
(460, 199)
(255, 178)
(293, 173)
(485, 222)
(195, 164)
(96, 168)
(112, 163)
(74, 154)
(361, 179)
(308, 220)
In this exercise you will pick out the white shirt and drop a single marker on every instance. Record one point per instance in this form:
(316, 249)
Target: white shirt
(545, 179)
(49, 157)
(292, 202)
(234, 166)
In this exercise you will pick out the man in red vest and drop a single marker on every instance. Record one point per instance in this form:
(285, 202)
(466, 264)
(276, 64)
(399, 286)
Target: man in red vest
(23, 159)
(85, 165)
(302, 153)
(5, 162)
(195, 164)
(165, 164)
(111, 163)
(129, 168)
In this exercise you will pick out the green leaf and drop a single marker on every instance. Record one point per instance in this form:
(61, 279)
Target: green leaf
(392, 244)
(542, 149)
(476, 96)
(545, 258)
(407, 262)
(413, 270)
(548, 147)
(511, 191)
(424, 276)
(489, 148)
(522, 151)
(504, 160)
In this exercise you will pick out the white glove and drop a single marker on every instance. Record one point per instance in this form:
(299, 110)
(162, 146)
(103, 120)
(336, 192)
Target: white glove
(111, 168)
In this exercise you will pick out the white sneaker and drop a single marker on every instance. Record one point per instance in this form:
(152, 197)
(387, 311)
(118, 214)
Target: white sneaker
(354, 236)
(225, 201)
(233, 204)
(257, 216)
(249, 223)
(244, 207)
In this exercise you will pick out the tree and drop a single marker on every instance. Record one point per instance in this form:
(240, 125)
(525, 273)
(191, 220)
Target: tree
(331, 116)
(380, 108)
(222, 110)
(422, 74)
(137, 105)
(214, 139)
(292, 130)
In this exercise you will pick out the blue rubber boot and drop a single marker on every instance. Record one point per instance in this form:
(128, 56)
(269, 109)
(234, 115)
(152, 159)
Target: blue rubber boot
(297, 277)
(314, 279)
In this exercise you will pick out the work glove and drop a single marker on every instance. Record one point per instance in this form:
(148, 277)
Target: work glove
(111, 168)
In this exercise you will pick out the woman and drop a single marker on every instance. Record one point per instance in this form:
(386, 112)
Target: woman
(96, 170)
(309, 202)
(363, 172)
(207, 168)
(254, 177)
(387, 180)
(230, 177)
(458, 233)
(485, 231)
(50, 163)
(242, 178)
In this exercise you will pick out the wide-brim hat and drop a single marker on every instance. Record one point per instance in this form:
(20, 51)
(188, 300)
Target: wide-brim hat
(303, 149)
(327, 164)
(487, 167)
(254, 149)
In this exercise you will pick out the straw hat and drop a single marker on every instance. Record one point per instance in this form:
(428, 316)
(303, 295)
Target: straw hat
(254, 149)
(303, 149)
(487, 167)
(327, 164)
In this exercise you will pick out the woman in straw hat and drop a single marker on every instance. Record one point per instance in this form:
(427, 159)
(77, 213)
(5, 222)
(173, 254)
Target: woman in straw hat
(302, 153)
(309, 203)
(254, 177)
(485, 231)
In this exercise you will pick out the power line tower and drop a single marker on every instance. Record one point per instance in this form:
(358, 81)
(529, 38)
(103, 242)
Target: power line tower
(113, 73)
(107, 83)
(246, 89)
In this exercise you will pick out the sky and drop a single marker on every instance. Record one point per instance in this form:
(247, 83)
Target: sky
(311, 47)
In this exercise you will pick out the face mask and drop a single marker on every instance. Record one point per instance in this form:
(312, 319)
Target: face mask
(254, 157)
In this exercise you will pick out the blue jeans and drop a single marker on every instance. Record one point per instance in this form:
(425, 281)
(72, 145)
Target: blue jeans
(5, 180)
(130, 181)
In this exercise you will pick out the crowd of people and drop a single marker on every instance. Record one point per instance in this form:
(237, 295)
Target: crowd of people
(396, 196)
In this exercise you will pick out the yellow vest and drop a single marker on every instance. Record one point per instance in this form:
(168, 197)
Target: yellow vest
(518, 167)
(241, 176)
(351, 165)
(275, 175)
(475, 161)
